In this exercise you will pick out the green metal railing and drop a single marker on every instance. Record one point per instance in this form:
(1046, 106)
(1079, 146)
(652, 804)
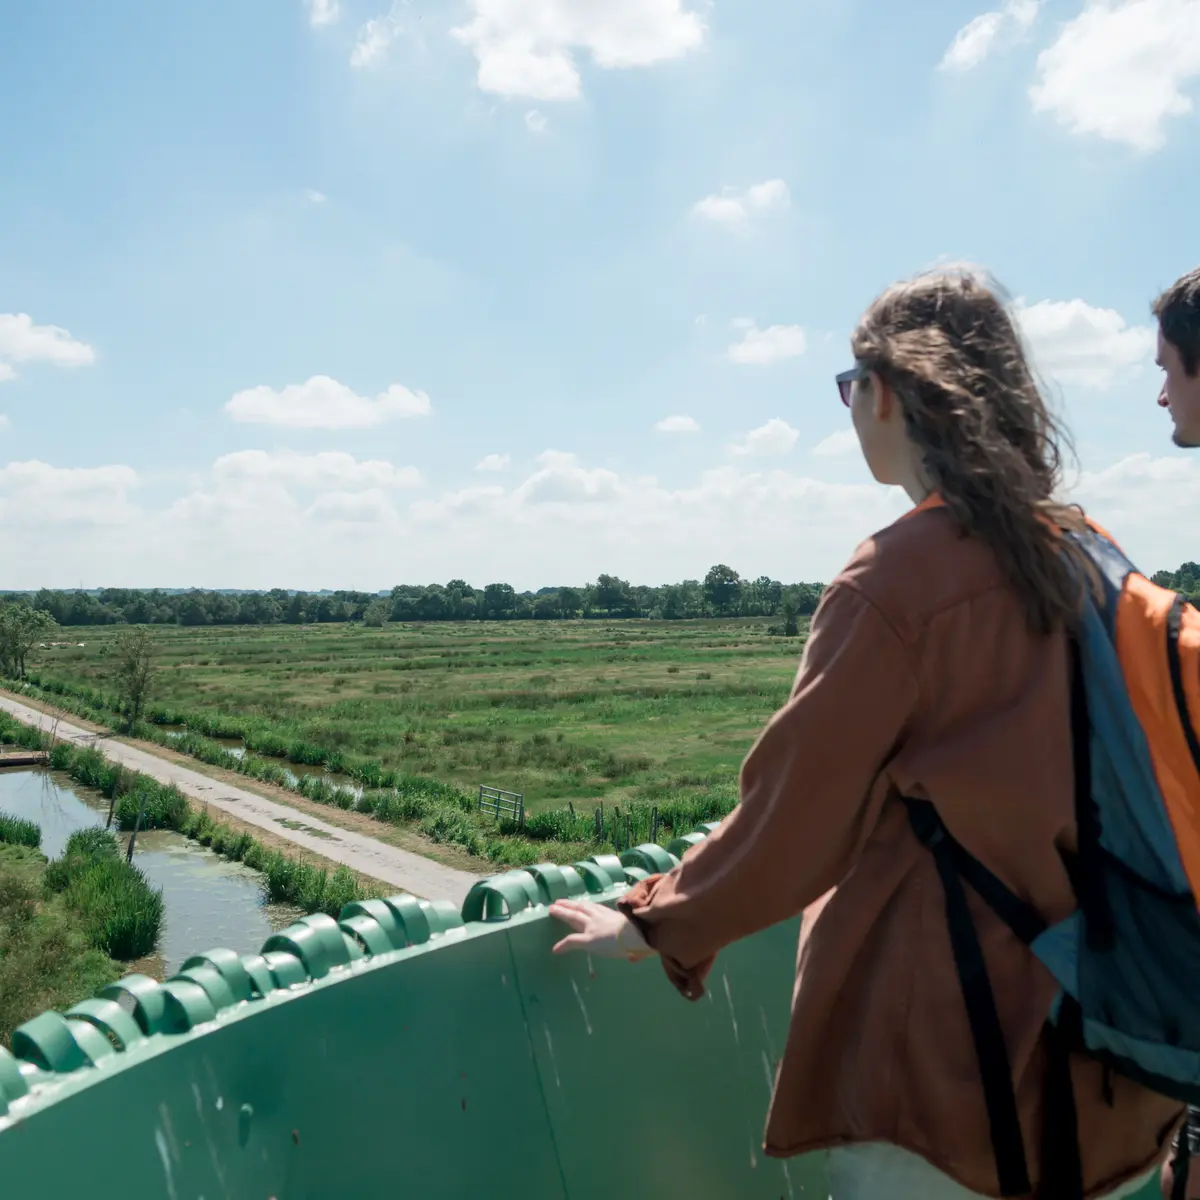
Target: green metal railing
(409, 1049)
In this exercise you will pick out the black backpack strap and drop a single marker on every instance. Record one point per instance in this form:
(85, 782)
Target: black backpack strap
(990, 1050)
(1062, 1174)
(1182, 1156)
(1062, 1167)
(1175, 666)
(1088, 878)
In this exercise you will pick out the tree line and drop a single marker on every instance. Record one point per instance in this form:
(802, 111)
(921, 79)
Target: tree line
(722, 593)
(1186, 580)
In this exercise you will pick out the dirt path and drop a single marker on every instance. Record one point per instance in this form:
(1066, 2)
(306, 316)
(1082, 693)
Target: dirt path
(366, 855)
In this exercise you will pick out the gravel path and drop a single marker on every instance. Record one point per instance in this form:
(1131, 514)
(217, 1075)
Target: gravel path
(389, 864)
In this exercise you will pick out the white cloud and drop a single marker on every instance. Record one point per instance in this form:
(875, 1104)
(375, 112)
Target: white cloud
(774, 438)
(836, 445)
(526, 47)
(323, 403)
(1081, 345)
(680, 423)
(369, 507)
(1119, 69)
(4, 422)
(493, 462)
(733, 207)
(1148, 504)
(329, 469)
(976, 39)
(6, 372)
(563, 521)
(34, 494)
(972, 42)
(323, 12)
(535, 121)
(761, 347)
(374, 38)
(22, 341)
(314, 197)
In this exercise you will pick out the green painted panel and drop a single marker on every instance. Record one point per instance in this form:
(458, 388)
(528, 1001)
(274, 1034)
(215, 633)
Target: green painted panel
(468, 1061)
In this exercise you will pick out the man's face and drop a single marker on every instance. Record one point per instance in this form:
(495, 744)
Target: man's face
(1180, 394)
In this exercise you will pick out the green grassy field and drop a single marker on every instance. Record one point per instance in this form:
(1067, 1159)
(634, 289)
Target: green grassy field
(560, 711)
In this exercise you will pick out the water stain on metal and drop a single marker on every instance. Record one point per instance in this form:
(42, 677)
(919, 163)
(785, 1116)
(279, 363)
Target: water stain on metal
(732, 1014)
(579, 998)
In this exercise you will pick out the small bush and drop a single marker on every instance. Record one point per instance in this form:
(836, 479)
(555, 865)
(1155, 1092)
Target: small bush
(16, 831)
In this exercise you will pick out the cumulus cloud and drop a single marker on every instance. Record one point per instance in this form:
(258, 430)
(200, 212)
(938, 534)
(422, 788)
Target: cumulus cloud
(535, 121)
(1148, 504)
(774, 438)
(374, 39)
(1078, 344)
(329, 469)
(323, 403)
(564, 520)
(370, 507)
(21, 341)
(1121, 68)
(680, 423)
(323, 12)
(837, 445)
(527, 47)
(733, 208)
(977, 38)
(761, 347)
(36, 494)
(493, 462)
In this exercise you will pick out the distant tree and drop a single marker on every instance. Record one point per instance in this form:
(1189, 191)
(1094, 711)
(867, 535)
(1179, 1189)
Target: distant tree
(612, 595)
(721, 587)
(790, 626)
(547, 608)
(21, 628)
(570, 602)
(134, 669)
(499, 600)
(377, 614)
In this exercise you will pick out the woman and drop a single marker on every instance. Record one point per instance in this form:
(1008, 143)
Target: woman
(936, 668)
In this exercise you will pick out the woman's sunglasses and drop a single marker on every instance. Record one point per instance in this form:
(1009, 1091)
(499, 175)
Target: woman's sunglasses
(846, 381)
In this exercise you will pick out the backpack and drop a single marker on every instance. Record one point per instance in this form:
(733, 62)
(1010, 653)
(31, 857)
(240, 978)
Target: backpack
(1127, 961)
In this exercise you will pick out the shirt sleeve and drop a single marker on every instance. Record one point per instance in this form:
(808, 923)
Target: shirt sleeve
(805, 805)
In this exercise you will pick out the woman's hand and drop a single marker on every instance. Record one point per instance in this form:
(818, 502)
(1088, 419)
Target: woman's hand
(599, 930)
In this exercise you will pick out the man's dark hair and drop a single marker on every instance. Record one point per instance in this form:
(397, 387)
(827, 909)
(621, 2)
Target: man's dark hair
(1178, 313)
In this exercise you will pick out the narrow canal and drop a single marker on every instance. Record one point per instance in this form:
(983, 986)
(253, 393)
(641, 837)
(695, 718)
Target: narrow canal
(208, 901)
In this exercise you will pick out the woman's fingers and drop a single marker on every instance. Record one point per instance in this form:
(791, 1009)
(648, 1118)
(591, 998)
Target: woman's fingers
(574, 916)
(573, 941)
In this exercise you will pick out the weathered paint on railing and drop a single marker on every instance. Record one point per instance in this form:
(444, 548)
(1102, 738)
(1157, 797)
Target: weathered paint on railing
(410, 1049)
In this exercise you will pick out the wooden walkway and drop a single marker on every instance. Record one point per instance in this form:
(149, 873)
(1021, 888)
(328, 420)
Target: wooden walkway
(23, 758)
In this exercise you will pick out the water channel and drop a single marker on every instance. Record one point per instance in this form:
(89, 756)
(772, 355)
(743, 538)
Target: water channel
(208, 900)
(236, 747)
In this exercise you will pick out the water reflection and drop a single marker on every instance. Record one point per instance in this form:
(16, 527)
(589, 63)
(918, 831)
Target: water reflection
(208, 901)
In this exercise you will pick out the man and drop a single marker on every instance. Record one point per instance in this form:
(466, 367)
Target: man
(1178, 313)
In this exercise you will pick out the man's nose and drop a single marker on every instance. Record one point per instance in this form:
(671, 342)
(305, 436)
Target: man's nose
(1162, 396)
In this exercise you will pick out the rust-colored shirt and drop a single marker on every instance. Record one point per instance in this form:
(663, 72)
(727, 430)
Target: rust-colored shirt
(919, 677)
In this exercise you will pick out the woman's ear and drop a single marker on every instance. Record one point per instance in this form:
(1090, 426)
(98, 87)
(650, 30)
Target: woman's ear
(883, 400)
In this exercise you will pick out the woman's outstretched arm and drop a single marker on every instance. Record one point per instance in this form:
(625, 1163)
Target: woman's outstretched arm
(807, 802)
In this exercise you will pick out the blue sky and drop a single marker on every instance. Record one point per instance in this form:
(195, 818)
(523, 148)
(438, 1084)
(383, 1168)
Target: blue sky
(278, 279)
